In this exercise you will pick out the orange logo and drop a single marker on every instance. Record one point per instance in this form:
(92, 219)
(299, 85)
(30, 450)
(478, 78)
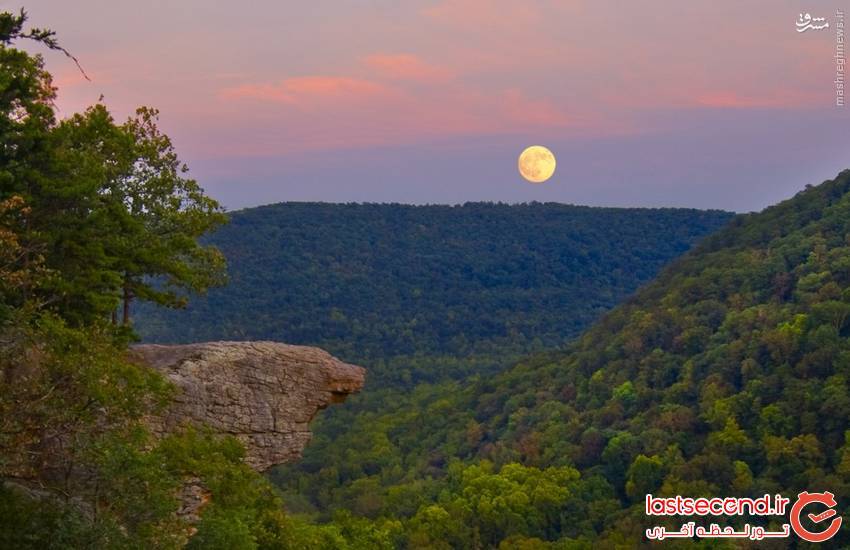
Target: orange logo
(805, 498)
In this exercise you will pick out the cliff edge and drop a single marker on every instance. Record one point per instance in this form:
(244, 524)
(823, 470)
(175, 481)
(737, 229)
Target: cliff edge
(263, 393)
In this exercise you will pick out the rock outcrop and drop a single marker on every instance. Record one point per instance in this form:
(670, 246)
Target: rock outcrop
(263, 393)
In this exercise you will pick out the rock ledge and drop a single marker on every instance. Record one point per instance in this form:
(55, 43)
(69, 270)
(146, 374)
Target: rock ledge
(263, 393)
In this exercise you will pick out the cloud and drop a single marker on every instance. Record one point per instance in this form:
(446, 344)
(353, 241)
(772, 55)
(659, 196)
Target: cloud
(343, 111)
(524, 111)
(307, 90)
(406, 67)
(732, 100)
(647, 94)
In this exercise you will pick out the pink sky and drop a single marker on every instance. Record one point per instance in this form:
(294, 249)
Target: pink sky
(648, 103)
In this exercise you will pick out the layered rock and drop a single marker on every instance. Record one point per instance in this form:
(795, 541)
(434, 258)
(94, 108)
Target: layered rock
(263, 393)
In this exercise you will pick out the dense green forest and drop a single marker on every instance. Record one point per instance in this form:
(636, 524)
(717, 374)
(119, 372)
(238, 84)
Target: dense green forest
(395, 286)
(726, 375)
(425, 297)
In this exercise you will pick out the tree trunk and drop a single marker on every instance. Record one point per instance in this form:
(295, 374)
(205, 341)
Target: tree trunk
(128, 297)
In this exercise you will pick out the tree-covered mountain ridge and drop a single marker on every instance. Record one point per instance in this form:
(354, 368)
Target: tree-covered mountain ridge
(725, 375)
(728, 374)
(371, 282)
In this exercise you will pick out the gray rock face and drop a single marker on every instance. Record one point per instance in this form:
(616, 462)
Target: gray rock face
(263, 393)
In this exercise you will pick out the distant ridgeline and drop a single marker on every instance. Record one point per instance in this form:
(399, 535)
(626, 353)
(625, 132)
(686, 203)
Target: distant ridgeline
(370, 282)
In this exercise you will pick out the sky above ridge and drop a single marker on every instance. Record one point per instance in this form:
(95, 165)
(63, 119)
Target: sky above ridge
(707, 104)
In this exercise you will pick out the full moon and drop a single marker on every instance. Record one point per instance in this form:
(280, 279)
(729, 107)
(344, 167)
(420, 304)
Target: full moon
(536, 164)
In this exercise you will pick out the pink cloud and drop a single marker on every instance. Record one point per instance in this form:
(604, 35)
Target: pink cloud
(540, 113)
(406, 67)
(642, 92)
(463, 111)
(732, 100)
(348, 112)
(308, 89)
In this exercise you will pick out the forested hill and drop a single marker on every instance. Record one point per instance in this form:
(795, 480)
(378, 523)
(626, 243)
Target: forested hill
(728, 374)
(371, 281)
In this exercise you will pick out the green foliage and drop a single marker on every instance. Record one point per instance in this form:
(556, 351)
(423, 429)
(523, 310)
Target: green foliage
(481, 507)
(58, 384)
(413, 291)
(727, 375)
(133, 505)
(109, 207)
(139, 235)
(360, 281)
